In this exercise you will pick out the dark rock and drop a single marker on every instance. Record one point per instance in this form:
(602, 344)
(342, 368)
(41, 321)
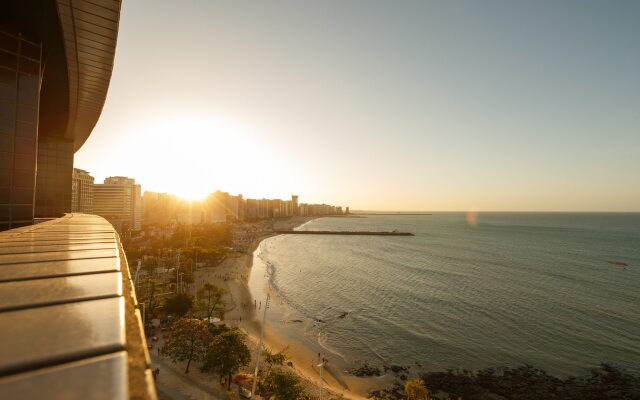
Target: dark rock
(365, 370)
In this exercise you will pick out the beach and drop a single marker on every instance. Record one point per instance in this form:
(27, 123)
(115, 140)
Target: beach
(238, 270)
(233, 275)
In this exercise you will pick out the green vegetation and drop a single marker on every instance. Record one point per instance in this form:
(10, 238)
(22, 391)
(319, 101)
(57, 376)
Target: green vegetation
(274, 358)
(210, 301)
(278, 381)
(208, 243)
(527, 382)
(285, 385)
(520, 383)
(189, 341)
(226, 354)
(179, 304)
(416, 389)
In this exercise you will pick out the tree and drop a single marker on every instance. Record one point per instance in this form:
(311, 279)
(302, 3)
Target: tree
(210, 300)
(274, 358)
(179, 304)
(189, 340)
(226, 354)
(284, 384)
(416, 389)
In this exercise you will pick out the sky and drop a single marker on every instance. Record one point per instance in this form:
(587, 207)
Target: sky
(378, 105)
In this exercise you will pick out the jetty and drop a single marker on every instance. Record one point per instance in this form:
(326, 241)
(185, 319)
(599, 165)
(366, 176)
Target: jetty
(352, 233)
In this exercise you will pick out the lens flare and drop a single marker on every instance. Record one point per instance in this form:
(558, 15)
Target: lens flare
(472, 217)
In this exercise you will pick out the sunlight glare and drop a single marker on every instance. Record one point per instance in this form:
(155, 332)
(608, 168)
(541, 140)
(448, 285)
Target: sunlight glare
(191, 155)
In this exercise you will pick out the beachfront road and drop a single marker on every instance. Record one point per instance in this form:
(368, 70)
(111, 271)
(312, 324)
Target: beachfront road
(173, 384)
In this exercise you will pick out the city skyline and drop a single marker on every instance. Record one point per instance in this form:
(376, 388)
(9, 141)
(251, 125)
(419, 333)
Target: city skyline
(121, 201)
(411, 107)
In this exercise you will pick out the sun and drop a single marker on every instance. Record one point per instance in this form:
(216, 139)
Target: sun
(191, 155)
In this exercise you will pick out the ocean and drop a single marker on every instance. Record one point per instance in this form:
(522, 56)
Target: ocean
(505, 289)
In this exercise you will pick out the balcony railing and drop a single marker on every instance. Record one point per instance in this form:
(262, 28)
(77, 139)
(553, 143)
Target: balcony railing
(70, 326)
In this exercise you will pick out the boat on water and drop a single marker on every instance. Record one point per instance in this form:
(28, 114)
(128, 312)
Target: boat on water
(618, 263)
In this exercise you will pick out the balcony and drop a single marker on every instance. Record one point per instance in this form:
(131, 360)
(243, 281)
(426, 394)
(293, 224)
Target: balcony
(71, 326)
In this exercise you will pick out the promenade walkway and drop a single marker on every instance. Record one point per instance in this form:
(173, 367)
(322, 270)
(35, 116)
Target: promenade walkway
(173, 384)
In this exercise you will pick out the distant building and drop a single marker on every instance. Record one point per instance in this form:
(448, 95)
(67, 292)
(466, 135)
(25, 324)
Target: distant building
(158, 208)
(119, 200)
(294, 205)
(235, 209)
(252, 209)
(81, 191)
(216, 207)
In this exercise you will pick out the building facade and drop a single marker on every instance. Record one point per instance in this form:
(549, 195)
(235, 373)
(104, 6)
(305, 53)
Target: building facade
(119, 201)
(46, 114)
(82, 191)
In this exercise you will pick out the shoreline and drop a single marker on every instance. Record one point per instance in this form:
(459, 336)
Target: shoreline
(304, 356)
(233, 274)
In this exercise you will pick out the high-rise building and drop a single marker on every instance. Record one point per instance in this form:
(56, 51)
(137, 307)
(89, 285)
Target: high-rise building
(56, 58)
(46, 114)
(82, 191)
(159, 208)
(217, 206)
(119, 200)
(294, 205)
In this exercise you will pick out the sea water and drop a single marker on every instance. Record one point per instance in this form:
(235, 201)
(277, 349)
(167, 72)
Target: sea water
(500, 289)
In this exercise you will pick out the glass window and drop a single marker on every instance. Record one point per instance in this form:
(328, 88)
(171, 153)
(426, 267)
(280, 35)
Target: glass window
(7, 111)
(4, 213)
(24, 145)
(7, 126)
(5, 181)
(29, 67)
(24, 178)
(22, 196)
(7, 77)
(8, 42)
(6, 143)
(6, 160)
(21, 212)
(27, 129)
(30, 50)
(29, 83)
(26, 113)
(8, 60)
(7, 92)
(25, 161)
(28, 96)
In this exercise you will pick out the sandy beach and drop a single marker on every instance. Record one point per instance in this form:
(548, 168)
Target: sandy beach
(233, 275)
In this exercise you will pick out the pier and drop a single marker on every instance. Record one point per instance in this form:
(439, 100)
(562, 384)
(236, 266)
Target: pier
(352, 233)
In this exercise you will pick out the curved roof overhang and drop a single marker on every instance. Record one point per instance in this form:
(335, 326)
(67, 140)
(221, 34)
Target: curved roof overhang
(78, 39)
(89, 33)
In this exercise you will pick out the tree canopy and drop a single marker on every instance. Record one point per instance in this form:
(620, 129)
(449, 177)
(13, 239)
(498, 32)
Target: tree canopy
(274, 358)
(210, 301)
(226, 354)
(179, 304)
(528, 382)
(189, 341)
(284, 384)
(416, 389)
